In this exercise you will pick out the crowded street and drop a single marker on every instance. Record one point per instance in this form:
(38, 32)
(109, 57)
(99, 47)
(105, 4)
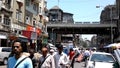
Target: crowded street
(77, 65)
(59, 33)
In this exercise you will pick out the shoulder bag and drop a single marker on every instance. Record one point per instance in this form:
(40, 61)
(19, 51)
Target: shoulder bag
(40, 64)
(20, 62)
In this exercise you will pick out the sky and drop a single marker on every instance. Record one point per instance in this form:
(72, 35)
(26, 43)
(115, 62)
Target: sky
(82, 10)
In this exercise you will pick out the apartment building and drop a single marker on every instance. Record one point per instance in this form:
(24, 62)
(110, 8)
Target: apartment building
(26, 20)
(57, 15)
(17, 21)
(5, 21)
(108, 16)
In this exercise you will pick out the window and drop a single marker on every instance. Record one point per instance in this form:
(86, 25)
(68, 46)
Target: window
(27, 2)
(0, 19)
(18, 16)
(16, 31)
(6, 21)
(40, 10)
(7, 1)
(20, 32)
(6, 49)
(35, 7)
(27, 19)
(34, 22)
(102, 58)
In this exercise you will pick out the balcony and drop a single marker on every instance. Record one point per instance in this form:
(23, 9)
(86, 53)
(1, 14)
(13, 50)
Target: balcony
(37, 1)
(5, 6)
(20, 2)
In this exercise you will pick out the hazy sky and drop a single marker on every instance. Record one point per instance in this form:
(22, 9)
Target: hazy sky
(83, 10)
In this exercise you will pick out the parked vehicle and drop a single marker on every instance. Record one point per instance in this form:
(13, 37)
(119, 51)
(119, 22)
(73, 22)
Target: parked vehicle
(100, 60)
(117, 55)
(4, 54)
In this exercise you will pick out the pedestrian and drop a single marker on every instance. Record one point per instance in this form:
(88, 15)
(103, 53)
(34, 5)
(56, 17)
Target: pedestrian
(61, 59)
(32, 57)
(71, 55)
(46, 60)
(52, 52)
(74, 58)
(86, 55)
(18, 60)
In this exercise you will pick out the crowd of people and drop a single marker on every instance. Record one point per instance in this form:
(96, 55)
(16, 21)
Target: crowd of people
(49, 57)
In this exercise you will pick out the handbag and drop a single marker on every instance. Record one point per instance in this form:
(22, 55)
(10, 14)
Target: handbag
(20, 62)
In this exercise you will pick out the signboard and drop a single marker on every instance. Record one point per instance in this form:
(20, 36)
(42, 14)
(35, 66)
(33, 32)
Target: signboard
(33, 35)
(30, 28)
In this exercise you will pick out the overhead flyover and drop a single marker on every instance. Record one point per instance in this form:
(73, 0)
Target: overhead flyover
(81, 28)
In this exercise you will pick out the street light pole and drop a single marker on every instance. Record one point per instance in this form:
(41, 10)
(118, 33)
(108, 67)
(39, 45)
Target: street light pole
(52, 35)
(111, 24)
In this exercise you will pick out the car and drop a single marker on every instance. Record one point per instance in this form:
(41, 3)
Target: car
(117, 55)
(4, 54)
(100, 60)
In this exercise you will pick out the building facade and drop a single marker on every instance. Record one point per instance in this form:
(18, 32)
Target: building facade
(108, 16)
(5, 21)
(23, 19)
(68, 18)
(56, 15)
(118, 13)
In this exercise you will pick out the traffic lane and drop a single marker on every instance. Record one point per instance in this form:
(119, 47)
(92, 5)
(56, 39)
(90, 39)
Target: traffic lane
(79, 65)
(2, 65)
(76, 65)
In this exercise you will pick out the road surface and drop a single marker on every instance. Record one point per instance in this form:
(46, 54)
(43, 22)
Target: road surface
(77, 65)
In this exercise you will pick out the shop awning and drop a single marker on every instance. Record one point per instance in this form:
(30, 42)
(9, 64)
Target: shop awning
(23, 39)
(3, 37)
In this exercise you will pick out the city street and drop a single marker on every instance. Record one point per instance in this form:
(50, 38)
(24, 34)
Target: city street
(77, 65)
(2, 66)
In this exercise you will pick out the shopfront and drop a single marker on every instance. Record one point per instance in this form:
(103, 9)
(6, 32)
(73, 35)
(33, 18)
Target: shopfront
(32, 34)
(3, 40)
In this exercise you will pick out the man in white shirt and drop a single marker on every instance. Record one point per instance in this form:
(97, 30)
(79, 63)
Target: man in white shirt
(46, 60)
(61, 59)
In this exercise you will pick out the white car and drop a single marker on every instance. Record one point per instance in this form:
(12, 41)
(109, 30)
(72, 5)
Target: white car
(100, 60)
(4, 54)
